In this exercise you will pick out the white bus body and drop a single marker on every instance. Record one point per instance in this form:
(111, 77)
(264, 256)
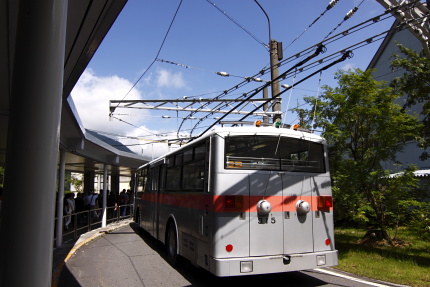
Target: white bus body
(242, 200)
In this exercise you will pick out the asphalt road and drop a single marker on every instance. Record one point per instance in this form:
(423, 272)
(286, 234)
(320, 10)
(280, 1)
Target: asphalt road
(129, 257)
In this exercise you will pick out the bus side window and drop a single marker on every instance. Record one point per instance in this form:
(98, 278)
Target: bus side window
(200, 152)
(147, 182)
(163, 173)
(188, 155)
(193, 176)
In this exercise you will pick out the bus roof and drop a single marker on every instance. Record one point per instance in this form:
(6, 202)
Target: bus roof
(249, 130)
(268, 130)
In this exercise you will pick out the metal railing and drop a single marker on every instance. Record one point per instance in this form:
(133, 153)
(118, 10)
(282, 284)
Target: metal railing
(87, 220)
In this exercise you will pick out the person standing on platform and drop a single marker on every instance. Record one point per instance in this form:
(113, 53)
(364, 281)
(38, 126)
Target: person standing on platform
(123, 201)
(67, 211)
(92, 202)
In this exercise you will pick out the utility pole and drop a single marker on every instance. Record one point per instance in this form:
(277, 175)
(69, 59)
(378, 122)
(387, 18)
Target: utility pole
(275, 50)
(274, 73)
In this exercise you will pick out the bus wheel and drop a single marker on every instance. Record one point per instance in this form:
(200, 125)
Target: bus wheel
(137, 217)
(172, 245)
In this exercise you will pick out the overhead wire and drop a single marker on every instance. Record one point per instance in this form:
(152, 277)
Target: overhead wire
(316, 101)
(348, 15)
(121, 120)
(223, 74)
(158, 53)
(317, 52)
(326, 40)
(289, 97)
(346, 54)
(239, 25)
(309, 66)
(343, 58)
(270, 99)
(297, 55)
(329, 6)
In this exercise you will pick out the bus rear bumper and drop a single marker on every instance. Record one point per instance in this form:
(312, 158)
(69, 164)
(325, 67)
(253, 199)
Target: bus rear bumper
(272, 264)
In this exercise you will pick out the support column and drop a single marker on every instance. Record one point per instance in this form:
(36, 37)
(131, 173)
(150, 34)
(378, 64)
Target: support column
(89, 177)
(60, 198)
(28, 205)
(115, 183)
(105, 186)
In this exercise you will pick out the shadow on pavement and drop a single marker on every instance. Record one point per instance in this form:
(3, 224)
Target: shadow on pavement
(195, 275)
(200, 277)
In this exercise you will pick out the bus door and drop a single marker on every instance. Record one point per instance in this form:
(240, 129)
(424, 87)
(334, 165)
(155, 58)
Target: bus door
(160, 188)
(266, 227)
(297, 214)
(153, 205)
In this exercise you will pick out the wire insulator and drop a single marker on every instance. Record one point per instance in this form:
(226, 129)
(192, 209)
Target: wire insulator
(350, 13)
(331, 4)
(224, 74)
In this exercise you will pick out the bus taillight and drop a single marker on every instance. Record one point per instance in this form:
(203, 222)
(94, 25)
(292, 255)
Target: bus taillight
(325, 202)
(233, 201)
(229, 248)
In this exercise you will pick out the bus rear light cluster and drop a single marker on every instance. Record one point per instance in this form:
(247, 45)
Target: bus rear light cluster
(325, 202)
(234, 201)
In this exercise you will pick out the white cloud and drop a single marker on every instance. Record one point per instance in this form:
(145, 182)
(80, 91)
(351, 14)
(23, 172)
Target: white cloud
(165, 78)
(91, 96)
(348, 66)
(145, 142)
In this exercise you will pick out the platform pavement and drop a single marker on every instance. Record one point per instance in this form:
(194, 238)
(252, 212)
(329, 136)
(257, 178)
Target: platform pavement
(68, 249)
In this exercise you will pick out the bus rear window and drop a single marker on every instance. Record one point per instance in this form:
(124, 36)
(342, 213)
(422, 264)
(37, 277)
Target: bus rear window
(274, 153)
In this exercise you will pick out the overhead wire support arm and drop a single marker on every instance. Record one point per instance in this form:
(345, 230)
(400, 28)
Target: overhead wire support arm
(407, 12)
(162, 104)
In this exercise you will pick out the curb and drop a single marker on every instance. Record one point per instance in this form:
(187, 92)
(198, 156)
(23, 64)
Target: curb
(85, 239)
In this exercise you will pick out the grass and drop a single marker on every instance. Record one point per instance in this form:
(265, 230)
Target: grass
(407, 263)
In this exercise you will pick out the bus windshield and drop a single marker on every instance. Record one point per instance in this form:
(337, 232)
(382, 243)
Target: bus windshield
(273, 153)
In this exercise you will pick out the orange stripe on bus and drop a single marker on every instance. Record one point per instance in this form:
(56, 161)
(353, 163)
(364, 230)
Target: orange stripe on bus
(279, 203)
(217, 203)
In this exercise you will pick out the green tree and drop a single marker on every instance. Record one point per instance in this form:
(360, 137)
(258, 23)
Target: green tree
(415, 85)
(76, 181)
(364, 128)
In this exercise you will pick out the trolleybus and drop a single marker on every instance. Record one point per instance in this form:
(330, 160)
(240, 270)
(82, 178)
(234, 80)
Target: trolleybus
(242, 200)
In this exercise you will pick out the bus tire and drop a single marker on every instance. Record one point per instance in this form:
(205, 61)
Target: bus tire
(172, 245)
(137, 217)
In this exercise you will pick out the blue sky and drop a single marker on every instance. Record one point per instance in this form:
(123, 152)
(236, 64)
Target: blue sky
(206, 40)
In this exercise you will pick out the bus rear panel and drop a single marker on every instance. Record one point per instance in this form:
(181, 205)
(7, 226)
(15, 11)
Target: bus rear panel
(243, 201)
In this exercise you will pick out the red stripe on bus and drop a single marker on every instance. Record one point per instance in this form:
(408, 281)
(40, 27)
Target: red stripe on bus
(279, 203)
(217, 203)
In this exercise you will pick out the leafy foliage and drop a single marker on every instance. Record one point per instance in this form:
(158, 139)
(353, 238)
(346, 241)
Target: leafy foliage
(76, 181)
(415, 84)
(364, 128)
(420, 221)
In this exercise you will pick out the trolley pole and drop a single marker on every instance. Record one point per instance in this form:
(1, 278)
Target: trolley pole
(265, 106)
